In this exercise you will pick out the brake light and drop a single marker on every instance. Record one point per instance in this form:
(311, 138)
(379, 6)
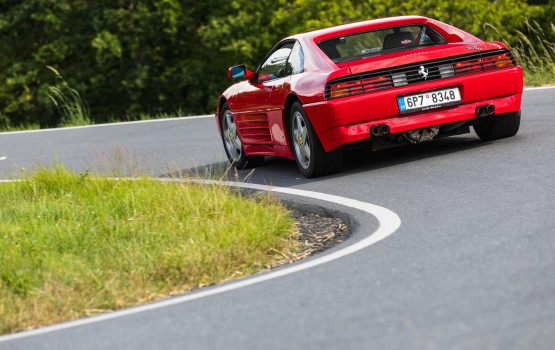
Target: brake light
(360, 86)
(345, 89)
(375, 84)
(468, 67)
(483, 64)
(497, 62)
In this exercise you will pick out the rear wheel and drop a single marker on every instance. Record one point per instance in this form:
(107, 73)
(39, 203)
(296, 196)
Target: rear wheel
(312, 160)
(498, 127)
(232, 143)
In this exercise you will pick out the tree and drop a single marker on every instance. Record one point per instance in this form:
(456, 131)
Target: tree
(126, 57)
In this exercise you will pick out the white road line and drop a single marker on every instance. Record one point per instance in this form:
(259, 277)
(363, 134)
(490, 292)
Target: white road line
(107, 124)
(539, 88)
(388, 221)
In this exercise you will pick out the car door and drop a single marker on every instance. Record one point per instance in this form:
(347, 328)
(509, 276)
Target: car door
(251, 107)
(255, 95)
(280, 91)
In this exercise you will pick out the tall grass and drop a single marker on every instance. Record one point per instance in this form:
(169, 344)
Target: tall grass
(73, 246)
(536, 54)
(72, 108)
(10, 127)
(145, 116)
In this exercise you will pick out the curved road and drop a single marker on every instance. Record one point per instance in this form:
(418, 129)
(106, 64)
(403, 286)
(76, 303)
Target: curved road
(471, 267)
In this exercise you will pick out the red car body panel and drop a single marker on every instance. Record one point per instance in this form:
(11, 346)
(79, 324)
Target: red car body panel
(259, 109)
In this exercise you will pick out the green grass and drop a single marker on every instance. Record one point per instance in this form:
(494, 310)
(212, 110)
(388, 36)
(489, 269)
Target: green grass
(535, 52)
(74, 246)
(79, 121)
(9, 127)
(536, 55)
(72, 108)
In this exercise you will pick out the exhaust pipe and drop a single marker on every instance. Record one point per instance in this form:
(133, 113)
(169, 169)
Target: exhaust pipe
(485, 110)
(380, 130)
(490, 109)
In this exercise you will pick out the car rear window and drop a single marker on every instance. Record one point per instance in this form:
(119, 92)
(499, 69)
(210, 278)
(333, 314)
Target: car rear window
(365, 44)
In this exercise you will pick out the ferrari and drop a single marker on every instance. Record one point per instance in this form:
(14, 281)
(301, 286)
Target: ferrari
(377, 84)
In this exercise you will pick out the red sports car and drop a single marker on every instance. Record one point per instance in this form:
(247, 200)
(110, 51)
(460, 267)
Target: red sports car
(376, 83)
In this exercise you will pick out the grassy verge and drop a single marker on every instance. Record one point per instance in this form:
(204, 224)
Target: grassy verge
(73, 246)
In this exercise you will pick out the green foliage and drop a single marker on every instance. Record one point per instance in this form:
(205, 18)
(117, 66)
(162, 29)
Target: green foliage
(129, 57)
(471, 16)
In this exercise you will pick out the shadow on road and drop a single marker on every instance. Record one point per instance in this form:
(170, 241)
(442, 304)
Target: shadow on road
(283, 172)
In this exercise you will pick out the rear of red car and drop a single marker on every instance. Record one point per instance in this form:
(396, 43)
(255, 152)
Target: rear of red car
(412, 80)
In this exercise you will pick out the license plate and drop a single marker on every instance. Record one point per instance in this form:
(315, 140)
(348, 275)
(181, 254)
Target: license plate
(429, 100)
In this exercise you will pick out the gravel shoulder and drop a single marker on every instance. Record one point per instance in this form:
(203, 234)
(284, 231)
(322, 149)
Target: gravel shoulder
(318, 233)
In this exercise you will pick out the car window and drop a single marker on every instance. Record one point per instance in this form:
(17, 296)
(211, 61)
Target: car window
(295, 63)
(376, 42)
(275, 66)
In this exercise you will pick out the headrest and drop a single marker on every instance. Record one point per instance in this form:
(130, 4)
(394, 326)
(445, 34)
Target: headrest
(396, 40)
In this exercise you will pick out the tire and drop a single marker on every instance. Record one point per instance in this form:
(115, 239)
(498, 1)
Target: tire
(312, 160)
(232, 143)
(498, 127)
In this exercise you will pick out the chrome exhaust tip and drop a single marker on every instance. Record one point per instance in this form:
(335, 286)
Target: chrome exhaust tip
(490, 109)
(379, 130)
(485, 110)
(384, 128)
(481, 111)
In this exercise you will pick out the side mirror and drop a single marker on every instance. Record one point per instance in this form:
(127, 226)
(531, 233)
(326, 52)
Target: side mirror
(237, 72)
(240, 71)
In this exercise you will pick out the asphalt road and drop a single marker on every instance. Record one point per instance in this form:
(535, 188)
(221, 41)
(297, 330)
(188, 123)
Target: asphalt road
(471, 267)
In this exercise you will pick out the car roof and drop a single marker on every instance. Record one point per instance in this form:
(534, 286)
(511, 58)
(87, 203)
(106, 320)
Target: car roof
(349, 28)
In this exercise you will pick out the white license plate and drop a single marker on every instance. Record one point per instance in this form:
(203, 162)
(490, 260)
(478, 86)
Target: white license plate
(429, 100)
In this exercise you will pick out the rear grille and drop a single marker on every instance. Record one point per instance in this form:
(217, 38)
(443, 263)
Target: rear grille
(422, 72)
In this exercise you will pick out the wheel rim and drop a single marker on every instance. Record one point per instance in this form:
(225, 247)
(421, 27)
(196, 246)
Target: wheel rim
(231, 138)
(301, 140)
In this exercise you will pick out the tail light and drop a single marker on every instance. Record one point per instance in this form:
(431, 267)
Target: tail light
(468, 67)
(375, 84)
(360, 86)
(497, 62)
(483, 64)
(346, 89)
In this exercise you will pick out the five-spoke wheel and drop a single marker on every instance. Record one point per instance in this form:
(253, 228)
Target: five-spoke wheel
(232, 142)
(301, 140)
(312, 160)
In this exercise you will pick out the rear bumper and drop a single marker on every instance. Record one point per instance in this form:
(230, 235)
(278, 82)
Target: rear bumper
(346, 120)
